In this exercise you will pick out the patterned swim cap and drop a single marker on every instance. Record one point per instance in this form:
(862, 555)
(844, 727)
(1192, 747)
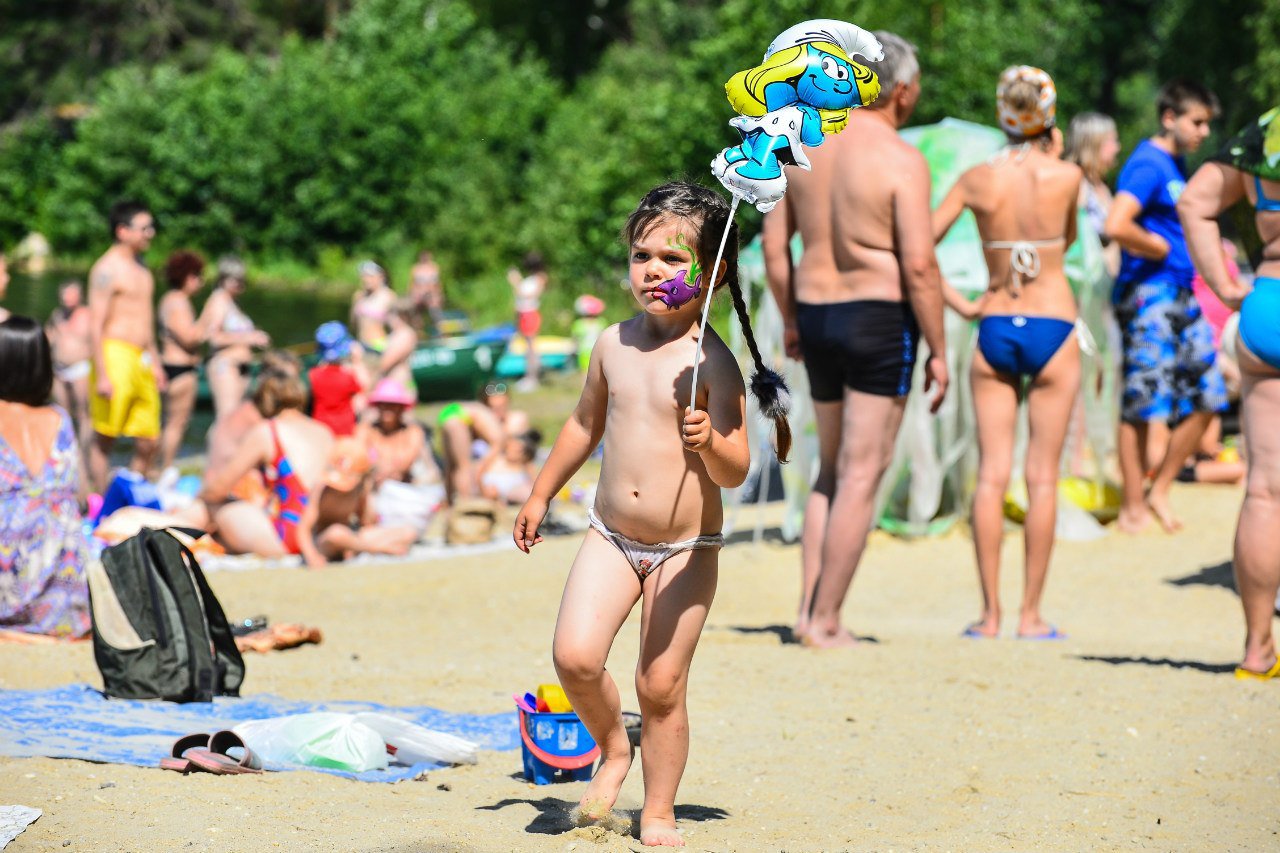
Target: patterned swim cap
(1026, 123)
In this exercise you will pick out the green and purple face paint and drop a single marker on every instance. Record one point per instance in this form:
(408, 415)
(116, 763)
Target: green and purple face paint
(678, 291)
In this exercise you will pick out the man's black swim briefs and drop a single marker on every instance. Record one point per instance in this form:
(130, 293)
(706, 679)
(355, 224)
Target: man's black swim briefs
(868, 345)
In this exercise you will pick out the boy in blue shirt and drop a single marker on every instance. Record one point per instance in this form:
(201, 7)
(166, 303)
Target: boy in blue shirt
(1172, 386)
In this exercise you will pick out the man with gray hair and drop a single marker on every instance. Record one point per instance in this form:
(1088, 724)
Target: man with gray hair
(855, 304)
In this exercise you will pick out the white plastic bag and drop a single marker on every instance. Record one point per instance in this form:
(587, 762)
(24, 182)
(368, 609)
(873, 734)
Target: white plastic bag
(316, 740)
(413, 743)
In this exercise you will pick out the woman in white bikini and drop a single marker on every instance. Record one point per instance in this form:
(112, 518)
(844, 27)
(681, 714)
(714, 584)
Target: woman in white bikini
(369, 308)
(232, 337)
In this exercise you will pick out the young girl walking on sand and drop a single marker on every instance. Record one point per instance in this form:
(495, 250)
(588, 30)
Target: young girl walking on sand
(655, 527)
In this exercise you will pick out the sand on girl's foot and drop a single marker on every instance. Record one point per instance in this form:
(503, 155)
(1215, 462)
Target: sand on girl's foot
(593, 815)
(596, 806)
(660, 834)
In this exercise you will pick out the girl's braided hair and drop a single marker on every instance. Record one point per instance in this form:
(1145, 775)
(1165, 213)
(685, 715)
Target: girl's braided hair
(710, 212)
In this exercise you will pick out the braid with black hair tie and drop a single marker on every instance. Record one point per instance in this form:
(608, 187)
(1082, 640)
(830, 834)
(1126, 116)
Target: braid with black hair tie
(767, 386)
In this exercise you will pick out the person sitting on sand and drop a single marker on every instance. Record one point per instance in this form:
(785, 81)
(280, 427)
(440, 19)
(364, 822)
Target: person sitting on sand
(339, 520)
(497, 397)
(462, 425)
(339, 380)
(290, 448)
(408, 486)
(398, 443)
(508, 477)
(664, 467)
(1024, 199)
(43, 548)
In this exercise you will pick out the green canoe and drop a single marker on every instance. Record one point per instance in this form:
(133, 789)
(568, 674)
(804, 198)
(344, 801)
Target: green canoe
(450, 368)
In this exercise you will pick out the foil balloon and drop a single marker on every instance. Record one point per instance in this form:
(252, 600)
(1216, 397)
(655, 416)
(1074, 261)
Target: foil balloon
(801, 91)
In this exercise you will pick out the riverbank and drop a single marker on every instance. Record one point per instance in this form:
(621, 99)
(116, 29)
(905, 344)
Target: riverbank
(1132, 733)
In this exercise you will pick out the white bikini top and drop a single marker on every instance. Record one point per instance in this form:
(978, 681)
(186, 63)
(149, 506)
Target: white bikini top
(1024, 258)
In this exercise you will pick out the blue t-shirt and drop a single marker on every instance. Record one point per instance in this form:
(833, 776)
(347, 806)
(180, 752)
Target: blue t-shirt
(1156, 179)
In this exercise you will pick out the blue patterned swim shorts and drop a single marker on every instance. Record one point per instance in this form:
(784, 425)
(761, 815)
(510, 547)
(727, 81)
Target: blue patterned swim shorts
(1170, 362)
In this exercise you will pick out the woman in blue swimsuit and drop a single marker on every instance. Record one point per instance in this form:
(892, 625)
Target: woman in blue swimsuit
(1243, 170)
(1024, 200)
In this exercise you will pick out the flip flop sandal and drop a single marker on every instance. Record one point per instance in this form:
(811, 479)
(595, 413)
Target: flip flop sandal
(1243, 674)
(177, 760)
(1052, 634)
(974, 633)
(217, 757)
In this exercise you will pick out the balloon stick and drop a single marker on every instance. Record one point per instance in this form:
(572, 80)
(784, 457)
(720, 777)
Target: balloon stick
(706, 306)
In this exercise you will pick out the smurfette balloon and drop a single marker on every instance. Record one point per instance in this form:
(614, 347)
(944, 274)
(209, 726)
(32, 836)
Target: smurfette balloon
(802, 90)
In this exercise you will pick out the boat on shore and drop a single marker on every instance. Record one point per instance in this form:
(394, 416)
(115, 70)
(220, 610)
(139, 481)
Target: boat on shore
(448, 368)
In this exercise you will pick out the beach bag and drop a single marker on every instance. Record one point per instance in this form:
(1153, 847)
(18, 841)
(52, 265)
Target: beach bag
(471, 521)
(158, 629)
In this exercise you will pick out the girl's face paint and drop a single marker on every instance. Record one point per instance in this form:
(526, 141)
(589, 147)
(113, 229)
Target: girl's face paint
(664, 269)
(678, 291)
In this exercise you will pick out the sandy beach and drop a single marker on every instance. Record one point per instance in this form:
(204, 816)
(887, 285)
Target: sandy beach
(1130, 734)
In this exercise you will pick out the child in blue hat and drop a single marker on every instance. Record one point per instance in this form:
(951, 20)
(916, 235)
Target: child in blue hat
(339, 381)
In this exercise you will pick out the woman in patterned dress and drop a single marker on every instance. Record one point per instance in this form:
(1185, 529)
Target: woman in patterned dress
(43, 548)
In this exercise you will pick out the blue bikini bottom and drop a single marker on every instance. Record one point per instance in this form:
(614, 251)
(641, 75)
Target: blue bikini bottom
(1260, 320)
(1012, 343)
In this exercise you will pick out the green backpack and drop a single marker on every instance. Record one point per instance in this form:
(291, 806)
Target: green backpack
(158, 630)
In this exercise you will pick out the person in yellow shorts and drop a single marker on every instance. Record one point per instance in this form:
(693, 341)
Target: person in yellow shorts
(126, 378)
(133, 409)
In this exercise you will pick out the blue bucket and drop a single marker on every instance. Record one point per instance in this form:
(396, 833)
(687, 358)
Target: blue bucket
(556, 747)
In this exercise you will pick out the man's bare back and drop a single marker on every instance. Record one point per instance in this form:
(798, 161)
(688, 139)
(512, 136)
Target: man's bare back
(120, 294)
(845, 210)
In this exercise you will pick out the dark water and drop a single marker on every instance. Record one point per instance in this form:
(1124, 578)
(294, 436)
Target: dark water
(289, 316)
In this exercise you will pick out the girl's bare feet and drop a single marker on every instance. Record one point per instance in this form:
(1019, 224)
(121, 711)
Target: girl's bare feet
(596, 805)
(660, 832)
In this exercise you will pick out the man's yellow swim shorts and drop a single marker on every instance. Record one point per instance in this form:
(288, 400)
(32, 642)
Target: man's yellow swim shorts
(134, 407)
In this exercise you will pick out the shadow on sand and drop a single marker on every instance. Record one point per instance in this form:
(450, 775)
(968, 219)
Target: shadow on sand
(1220, 575)
(748, 535)
(1119, 660)
(553, 817)
(785, 634)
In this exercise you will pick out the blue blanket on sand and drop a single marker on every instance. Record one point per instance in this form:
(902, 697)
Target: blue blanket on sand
(77, 721)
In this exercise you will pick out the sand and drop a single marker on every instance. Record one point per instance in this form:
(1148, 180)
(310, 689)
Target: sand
(1131, 734)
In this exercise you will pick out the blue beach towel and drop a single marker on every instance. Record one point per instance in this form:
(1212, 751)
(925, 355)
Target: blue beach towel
(77, 721)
